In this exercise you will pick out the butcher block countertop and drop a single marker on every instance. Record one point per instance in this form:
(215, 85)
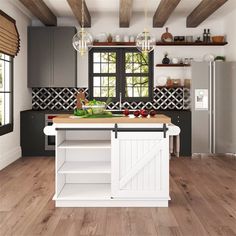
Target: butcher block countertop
(112, 120)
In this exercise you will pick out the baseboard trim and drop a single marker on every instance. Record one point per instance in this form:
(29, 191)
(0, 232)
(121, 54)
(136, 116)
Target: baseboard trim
(213, 155)
(8, 157)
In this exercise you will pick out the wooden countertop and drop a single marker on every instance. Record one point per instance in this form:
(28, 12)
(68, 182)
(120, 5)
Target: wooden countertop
(157, 119)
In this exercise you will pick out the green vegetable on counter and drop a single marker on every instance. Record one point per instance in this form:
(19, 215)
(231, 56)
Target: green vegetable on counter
(80, 112)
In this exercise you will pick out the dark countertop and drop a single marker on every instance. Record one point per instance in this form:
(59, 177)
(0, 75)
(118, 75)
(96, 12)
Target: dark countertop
(114, 111)
(50, 111)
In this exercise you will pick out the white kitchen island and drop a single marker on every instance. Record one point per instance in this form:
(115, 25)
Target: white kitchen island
(112, 162)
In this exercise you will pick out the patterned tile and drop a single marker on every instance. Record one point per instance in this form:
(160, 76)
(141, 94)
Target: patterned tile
(65, 99)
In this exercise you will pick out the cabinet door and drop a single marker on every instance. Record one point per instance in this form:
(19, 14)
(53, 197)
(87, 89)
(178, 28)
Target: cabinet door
(32, 138)
(184, 122)
(140, 165)
(64, 57)
(182, 119)
(39, 57)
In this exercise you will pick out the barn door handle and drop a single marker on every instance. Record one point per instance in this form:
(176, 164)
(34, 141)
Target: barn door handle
(116, 130)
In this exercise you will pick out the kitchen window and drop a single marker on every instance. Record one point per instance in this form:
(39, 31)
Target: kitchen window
(6, 94)
(120, 71)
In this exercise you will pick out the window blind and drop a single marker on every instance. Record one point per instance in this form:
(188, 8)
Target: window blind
(9, 36)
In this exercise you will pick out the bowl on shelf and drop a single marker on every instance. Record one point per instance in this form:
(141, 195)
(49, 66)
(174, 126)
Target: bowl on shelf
(218, 39)
(102, 37)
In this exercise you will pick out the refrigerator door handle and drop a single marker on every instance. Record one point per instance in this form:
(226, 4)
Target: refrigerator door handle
(214, 108)
(210, 107)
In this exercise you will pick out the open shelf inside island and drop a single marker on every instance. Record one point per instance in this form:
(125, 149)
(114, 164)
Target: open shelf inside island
(83, 165)
(85, 192)
(86, 144)
(79, 167)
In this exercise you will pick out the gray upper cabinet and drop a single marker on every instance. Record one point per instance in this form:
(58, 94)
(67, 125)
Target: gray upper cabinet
(52, 60)
(64, 58)
(39, 57)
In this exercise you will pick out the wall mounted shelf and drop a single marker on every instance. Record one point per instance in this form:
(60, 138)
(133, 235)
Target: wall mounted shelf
(159, 44)
(114, 44)
(170, 87)
(172, 65)
(189, 44)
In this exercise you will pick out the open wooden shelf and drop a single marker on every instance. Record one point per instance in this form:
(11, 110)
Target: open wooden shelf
(172, 65)
(114, 44)
(85, 192)
(159, 44)
(86, 144)
(189, 44)
(85, 167)
(170, 87)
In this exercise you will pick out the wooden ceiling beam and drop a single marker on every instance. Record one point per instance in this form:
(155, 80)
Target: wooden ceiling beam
(125, 13)
(163, 12)
(203, 11)
(76, 6)
(39, 9)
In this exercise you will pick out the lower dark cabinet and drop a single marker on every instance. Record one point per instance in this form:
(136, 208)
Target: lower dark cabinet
(183, 120)
(32, 138)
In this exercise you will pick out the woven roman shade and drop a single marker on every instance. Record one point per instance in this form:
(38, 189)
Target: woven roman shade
(9, 36)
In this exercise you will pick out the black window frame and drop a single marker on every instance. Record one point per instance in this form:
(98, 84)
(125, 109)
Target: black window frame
(120, 74)
(91, 74)
(7, 128)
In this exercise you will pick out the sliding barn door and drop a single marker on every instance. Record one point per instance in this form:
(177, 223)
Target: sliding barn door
(140, 165)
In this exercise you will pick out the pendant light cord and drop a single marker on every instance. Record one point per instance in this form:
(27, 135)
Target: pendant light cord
(145, 13)
(82, 9)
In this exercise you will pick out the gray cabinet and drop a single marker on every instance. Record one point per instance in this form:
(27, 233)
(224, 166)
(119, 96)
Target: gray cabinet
(52, 60)
(39, 57)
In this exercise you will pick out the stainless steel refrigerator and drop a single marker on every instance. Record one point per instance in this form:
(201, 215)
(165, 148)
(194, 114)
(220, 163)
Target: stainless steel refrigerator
(213, 95)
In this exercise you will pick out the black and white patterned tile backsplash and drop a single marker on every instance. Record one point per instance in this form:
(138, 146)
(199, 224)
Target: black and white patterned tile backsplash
(65, 99)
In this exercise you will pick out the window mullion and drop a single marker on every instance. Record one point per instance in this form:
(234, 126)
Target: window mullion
(122, 73)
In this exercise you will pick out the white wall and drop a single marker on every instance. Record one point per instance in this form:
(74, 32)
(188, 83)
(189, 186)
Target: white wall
(109, 23)
(230, 29)
(10, 149)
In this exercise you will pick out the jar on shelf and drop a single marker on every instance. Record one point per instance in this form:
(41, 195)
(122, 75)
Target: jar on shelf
(166, 60)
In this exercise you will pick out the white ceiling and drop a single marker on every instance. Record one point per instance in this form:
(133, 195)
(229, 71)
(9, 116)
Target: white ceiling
(61, 8)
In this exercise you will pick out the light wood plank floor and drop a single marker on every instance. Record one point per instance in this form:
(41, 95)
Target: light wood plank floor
(203, 193)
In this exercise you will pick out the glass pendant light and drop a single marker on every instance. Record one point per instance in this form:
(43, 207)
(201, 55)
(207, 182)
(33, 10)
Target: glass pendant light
(82, 40)
(145, 42)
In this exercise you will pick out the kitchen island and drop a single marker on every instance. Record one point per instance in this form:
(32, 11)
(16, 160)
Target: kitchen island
(118, 161)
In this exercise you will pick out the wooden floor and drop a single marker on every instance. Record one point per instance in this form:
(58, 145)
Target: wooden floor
(203, 193)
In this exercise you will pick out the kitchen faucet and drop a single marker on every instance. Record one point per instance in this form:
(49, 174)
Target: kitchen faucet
(120, 102)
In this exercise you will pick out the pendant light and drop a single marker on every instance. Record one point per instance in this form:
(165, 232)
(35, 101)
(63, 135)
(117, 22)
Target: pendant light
(145, 42)
(82, 40)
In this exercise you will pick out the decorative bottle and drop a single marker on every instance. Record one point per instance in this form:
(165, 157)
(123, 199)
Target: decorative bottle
(204, 36)
(208, 36)
(166, 60)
